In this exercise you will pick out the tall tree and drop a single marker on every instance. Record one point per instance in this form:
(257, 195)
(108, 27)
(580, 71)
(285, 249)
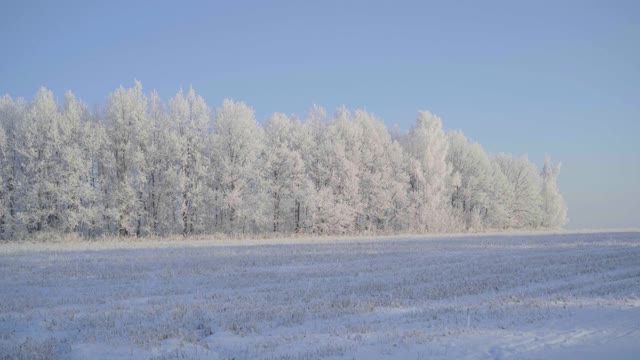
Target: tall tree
(3, 184)
(190, 118)
(11, 114)
(331, 170)
(430, 174)
(128, 131)
(99, 152)
(301, 142)
(380, 173)
(284, 177)
(74, 165)
(500, 199)
(554, 209)
(344, 156)
(163, 170)
(524, 185)
(470, 196)
(236, 145)
(40, 175)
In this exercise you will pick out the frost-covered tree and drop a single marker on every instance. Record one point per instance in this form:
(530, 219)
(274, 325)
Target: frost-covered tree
(431, 180)
(554, 210)
(11, 114)
(163, 170)
(382, 181)
(96, 147)
(237, 143)
(344, 138)
(299, 140)
(331, 163)
(128, 137)
(283, 174)
(190, 119)
(498, 214)
(317, 155)
(315, 142)
(524, 210)
(40, 198)
(75, 166)
(398, 188)
(3, 183)
(471, 165)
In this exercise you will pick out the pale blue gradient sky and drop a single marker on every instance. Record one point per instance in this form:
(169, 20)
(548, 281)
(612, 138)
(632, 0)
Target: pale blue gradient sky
(561, 77)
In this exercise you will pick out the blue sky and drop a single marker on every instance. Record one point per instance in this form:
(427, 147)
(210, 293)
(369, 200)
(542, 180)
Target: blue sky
(534, 77)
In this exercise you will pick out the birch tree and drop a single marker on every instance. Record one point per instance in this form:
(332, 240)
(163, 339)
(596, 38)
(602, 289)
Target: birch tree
(163, 170)
(283, 173)
(236, 145)
(99, 152)
(128, 139)
(74, 165)
(190, 118)
(40, 177)
(430, 174)
(554, 209)
(3, 184)
(331, 168)
(524, 185)
(11, 114)
(470, 196)
(381, 180)
(344, 156)
(500, 199)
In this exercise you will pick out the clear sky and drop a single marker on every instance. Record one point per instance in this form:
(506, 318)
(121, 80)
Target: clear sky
(534, 77)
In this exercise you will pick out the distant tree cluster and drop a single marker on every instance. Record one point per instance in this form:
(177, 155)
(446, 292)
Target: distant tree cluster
(142, 167)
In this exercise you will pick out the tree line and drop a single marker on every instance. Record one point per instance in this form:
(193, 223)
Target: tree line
(141, 167)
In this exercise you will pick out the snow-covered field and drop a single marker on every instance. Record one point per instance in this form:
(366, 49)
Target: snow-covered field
(478, 297)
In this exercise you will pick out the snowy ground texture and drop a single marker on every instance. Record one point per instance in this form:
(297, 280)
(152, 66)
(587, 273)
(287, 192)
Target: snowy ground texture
(482, 297)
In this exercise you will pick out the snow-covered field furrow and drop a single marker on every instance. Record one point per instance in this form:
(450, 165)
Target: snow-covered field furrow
(480, 297)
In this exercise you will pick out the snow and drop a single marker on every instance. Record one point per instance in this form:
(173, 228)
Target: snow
(551, 296)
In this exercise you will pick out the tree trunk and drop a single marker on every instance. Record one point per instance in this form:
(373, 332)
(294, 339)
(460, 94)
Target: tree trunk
(276, 214)
(297, 216)
(185, 215)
